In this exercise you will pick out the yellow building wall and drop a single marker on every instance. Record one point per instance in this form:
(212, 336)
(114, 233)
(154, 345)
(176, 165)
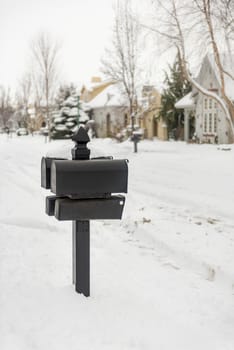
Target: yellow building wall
(152, 124)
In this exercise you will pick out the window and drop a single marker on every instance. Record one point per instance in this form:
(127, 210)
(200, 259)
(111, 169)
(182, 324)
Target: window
(210, 119)
(205, 123)
(125, 120)
(215, 122)
(210, 122)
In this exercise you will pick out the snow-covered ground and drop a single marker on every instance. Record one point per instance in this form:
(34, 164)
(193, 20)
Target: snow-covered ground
(162, 278)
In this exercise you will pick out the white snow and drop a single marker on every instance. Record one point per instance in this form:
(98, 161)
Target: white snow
(162, 278)
(185, 102)
(83, 117)
(70, 124)
(60, 127)
(58, 120)
(73, 112)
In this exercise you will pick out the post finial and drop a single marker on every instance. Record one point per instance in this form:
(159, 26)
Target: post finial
(80, 151)
(81, 136)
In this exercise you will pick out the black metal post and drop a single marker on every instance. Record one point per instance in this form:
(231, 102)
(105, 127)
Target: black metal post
(81, 256)
(135, 146)
(84, 190)
(80, 229)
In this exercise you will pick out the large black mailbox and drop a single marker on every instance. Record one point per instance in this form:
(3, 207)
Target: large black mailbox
(84, 189)
(93, 179)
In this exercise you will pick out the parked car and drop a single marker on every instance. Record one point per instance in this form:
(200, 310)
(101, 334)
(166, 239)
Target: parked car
(21, 132)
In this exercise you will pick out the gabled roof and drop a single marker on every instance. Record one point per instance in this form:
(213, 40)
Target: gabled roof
(111, 96)
(186, 102)
(228, 64)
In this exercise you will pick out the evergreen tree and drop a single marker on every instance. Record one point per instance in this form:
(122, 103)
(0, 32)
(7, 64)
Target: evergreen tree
(65, 120)
(176, 87)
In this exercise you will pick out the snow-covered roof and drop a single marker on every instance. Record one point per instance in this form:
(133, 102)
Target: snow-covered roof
(111, 96)
(228, 64)
(186, 102)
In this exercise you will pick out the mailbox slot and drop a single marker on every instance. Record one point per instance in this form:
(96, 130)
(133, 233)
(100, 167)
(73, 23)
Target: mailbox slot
(89, 209)
(89, 179)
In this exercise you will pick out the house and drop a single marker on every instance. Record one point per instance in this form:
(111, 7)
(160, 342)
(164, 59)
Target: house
(148, 114)
(109, 110)
(204, 119)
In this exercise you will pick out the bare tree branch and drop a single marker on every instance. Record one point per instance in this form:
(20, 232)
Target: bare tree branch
(45, 53)
(121, 61)
(187, 23)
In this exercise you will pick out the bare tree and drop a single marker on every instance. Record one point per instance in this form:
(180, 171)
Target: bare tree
(45, 53)
(6, 109)
(200, 22)
(23, 96)
(121, 62)
(223, 11)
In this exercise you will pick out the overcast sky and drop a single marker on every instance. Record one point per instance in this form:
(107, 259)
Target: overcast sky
(82, 26)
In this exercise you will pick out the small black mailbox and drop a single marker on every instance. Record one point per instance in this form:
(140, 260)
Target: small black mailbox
(83, 191)
(136, 137)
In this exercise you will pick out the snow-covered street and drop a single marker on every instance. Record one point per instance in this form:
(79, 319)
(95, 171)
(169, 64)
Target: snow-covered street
(162, 278)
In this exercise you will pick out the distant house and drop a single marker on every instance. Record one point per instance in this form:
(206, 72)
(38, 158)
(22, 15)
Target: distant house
(109, 110)
(203, 117)
(149, 119)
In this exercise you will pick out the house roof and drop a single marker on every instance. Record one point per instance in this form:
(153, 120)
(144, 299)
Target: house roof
(90, 86)
(228, 64)
(186, 102)
(111, 96)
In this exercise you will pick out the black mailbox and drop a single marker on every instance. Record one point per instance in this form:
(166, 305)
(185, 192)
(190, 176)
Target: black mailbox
(45, 171)
(83, 191)
(136, 137)
(88, 179)
(89, 209)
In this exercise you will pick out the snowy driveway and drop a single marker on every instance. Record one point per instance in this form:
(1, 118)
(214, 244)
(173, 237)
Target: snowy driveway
(162, 278)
